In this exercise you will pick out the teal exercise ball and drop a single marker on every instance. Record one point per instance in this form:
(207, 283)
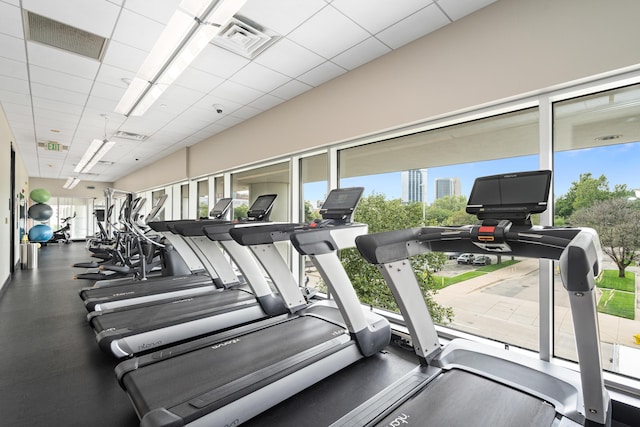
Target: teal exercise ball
(40, 195)
(40, 233)
(40, 212)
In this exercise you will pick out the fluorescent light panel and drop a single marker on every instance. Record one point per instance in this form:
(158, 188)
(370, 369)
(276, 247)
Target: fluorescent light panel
(188, 32)
(71, 183)
(94, 153)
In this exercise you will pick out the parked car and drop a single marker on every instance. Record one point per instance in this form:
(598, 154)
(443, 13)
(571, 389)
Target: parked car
(465, 259)
(481, 260)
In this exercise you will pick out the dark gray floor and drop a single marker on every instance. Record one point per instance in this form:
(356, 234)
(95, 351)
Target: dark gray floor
(53, 374)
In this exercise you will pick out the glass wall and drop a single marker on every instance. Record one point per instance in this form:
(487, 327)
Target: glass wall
(313, 191)
(425, 179)
(203, 198)
(273, 179)
(82, 225)
(596, 155)
(184, 201)
(155, 197)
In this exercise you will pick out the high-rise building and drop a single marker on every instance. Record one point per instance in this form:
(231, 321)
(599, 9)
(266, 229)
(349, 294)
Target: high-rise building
(447, 187)
(414, 187)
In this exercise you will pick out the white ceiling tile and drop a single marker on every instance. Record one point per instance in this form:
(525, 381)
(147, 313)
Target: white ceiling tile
(10, 20)
(13, 68)
(218, 61)
(136, 30)
(57, 79)
(205, 107)
(125, 57)
(62, 61)
(181, 95)
(322, 74)
(282, 16)
(198, 80)
(361, 53)
(266, 102)
(291, 89)
(49, 92)
(114, 76)
(11, 84)
(328, 33)
(236, 93)
(53, 105)
(457, 9)
(376, 15)
(95, 16)
(22, 109)
(13, 2)
(246, 112)
(260, 78)
(289, 58)
(14, 98)
(12, 48)
(415, 26)
(158, 10)
(106, 91)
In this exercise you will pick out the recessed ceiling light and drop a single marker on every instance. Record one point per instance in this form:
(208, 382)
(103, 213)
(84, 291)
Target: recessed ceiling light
(54, 130)
(607, 137)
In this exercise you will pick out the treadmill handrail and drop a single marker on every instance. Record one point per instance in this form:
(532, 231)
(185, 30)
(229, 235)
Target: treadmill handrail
(577, 249)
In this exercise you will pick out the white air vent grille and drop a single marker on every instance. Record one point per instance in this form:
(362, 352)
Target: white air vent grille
(129, 135)
(244, 38)
(53, 33)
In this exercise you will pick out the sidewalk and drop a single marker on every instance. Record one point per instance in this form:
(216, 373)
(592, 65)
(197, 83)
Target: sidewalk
(503, 305)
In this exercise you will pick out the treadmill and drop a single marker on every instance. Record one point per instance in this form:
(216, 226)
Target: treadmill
(467, 383)
(220, 272)
(228, 378)
(140, 328)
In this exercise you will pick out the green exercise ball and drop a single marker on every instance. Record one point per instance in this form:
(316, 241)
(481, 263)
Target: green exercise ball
(40, 195)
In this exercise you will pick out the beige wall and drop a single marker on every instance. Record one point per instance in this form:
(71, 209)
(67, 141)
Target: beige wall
(510, 48)
(167, 170)
(6, 142)
(54, 186)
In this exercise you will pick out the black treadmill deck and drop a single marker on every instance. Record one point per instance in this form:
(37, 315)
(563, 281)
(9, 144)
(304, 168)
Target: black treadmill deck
(461, 399)
(208, 378)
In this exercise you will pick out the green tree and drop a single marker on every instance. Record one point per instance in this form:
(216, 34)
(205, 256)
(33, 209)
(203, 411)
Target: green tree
(309, 213)
(240, 212)
(617, 221)
(384, 215)
(585, 192)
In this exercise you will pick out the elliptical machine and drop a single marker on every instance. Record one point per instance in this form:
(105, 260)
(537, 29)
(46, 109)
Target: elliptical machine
(63, 234)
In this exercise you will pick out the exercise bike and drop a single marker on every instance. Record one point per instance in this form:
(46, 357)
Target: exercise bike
(63, 234)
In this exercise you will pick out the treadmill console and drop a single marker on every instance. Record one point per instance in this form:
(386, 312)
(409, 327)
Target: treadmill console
(501, 201)
(340, 205)
(512, 196)
(261, 208)
(220, 209)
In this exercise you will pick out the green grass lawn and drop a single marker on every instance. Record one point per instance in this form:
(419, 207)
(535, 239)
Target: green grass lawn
(617, 303)
(610, 280)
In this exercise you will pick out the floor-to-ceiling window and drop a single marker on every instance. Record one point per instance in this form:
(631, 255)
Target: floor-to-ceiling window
(425, 179)
(313, 191)
(596, 182)
(203, 198)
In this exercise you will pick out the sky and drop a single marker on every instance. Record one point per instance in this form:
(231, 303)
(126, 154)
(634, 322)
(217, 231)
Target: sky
(619, 163)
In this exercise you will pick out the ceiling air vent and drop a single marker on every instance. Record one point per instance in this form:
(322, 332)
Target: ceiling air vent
(53, 33)
(129, 135)
(244, 38)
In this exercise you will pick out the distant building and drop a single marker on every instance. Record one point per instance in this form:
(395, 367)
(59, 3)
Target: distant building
(414, 187)
(448, 187)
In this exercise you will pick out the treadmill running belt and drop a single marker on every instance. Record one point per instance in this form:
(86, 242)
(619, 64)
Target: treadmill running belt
(462, 399)
(148, 317)
(189, 380)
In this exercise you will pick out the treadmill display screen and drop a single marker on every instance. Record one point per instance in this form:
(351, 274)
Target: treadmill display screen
(523, 192)
(263, 203)
(342, 199)
(221, 207)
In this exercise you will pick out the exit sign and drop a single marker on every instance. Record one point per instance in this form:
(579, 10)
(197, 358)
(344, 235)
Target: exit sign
(53, 146)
